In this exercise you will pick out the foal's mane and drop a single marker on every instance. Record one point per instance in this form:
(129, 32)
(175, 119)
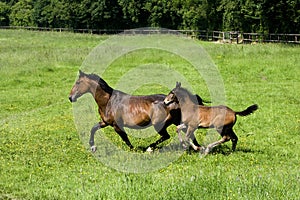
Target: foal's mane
(183, 92)
(104, 86)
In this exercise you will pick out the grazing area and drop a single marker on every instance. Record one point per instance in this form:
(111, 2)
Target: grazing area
(43, 157)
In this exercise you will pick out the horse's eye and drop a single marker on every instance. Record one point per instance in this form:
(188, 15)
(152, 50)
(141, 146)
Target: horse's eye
(77, 82)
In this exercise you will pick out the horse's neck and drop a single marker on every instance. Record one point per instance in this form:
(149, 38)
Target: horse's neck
(101, 97)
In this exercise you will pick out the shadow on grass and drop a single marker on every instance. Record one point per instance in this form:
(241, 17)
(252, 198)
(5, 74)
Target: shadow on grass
(175, 147)
(226, 150)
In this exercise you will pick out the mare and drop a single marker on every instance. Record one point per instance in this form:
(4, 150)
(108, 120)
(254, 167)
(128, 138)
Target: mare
(196, 116)
(118, 109)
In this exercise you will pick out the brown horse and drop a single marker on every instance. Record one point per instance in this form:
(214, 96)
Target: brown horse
(196, 116)
(119, 110)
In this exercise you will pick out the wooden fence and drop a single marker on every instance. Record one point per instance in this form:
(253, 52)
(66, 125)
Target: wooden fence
(218, 36)
(239, 38)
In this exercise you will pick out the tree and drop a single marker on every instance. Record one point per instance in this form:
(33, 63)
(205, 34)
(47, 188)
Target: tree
(213, 14)
(4, 14)
(134, 14)
(163, 13)
(264, 16)
(22, 13)
(106, 14)
(194, 14)
(281, 16)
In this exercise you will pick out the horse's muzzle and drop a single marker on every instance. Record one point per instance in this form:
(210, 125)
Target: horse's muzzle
(72, 99)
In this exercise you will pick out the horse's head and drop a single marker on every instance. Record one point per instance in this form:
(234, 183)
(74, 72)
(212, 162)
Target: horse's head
(171, 97)
(81, 87)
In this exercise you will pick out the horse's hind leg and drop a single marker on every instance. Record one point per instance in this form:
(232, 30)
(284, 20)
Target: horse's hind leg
(164, 136)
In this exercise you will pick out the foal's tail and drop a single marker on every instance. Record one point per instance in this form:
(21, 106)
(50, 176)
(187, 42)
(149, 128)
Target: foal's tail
(248, 111)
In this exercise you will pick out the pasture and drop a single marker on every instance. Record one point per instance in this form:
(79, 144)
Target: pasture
(42, 156)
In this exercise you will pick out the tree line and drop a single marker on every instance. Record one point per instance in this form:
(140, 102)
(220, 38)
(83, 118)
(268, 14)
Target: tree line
(260, 16)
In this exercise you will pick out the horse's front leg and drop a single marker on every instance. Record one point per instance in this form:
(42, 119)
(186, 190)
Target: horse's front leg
(123, 135)
(95, 128)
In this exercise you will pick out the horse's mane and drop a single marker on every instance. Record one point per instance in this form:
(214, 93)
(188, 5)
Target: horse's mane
(101, 83)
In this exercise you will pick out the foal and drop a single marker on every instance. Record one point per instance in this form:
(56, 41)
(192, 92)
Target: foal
(196, 116)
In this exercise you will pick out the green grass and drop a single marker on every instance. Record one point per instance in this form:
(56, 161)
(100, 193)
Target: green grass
(42, 156)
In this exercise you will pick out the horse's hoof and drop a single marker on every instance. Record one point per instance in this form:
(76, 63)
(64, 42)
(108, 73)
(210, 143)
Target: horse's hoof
(149, 149)
(93, 148)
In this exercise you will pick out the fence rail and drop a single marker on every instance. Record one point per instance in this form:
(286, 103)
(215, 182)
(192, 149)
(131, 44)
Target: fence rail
(239, 37)
(207, 35)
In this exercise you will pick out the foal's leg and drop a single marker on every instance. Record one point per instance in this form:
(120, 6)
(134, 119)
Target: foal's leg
(225, 133)
(234, 139)
(191, 136)
(225, 138)
(178, 130)
(195, 143)
(95, 128)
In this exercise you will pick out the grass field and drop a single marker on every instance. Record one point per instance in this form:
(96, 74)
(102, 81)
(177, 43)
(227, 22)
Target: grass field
(42, 156)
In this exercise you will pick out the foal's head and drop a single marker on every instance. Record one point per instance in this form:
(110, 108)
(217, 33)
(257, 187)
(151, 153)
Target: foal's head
(179, 94)
(82, 86)
(171, 97)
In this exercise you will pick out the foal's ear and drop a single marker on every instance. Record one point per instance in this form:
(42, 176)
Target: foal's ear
(81, 73)
(178, 84)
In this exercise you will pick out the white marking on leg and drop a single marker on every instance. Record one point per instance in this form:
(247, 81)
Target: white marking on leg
(149, 149)
(93, 148)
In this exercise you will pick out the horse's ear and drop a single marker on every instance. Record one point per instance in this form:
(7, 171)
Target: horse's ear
(178, 84)
(81, 73)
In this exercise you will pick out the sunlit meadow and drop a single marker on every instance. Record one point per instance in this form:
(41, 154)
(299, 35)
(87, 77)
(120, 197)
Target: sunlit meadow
(42, 156)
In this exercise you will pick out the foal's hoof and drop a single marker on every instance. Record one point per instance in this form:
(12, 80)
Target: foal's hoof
(184, 146)
(206, 151)
(93, 148)
(201, 149)
(149, 149)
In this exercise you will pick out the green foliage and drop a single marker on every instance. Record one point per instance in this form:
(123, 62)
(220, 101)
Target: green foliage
(134, 13)
(52, 13)
(4, 14)
(42, 157)
(275, 12)
(22, 13)
(194, 14)
(242, 15)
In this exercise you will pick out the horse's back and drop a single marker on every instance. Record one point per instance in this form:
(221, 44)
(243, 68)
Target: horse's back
(135, 111)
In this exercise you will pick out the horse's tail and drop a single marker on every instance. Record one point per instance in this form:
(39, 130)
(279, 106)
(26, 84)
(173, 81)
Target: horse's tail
(248, 111)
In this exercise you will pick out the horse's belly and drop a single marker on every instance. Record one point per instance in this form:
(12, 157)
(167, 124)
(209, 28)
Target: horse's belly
(138, 123)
